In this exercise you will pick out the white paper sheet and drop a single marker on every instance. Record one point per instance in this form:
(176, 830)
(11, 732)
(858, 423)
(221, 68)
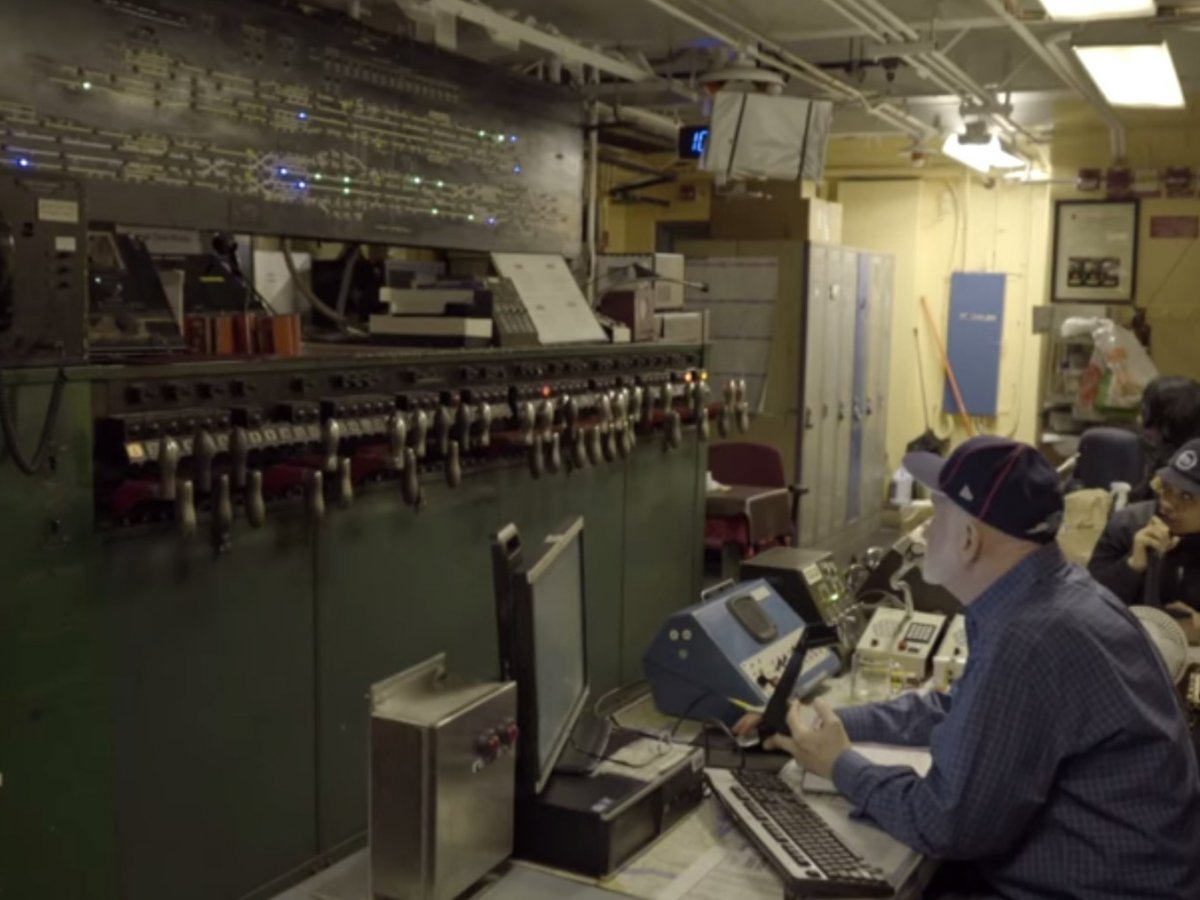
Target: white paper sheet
(557, 306)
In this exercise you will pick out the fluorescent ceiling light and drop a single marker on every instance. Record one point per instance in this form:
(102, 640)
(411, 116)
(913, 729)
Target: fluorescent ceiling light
(1134, 74)
(1087, 10)
(982, 157)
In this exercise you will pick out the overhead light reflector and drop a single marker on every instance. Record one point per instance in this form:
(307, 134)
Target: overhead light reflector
(982, 157)
(1134, 74)
(1089, 10)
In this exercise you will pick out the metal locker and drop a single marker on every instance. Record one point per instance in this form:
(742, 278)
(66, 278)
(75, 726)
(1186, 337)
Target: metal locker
(881, 373)
(873, 438)
(811, 426)
(860, 391)
(843, 338)
(830, 362)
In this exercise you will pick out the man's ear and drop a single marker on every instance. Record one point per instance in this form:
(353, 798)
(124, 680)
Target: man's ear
(972, 540)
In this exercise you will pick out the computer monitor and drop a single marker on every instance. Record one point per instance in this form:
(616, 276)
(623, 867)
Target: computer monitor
(546, 641)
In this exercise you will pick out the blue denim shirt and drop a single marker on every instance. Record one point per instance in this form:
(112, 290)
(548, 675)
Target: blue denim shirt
(1062, 766)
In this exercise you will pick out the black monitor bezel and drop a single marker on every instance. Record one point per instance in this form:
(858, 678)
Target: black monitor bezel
(524, 656)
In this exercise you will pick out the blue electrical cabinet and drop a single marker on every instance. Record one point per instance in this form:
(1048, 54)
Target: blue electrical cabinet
(973, 341)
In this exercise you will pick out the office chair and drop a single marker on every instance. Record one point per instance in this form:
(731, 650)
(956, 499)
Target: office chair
(1109, 457)
(1108, 464)
(748, 465)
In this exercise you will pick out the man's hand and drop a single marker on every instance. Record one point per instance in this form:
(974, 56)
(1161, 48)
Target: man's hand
(815, 749)
(1155, 536)
(746, 724)
(1190, 623)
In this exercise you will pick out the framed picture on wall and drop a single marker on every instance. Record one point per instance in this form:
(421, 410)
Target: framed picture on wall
(1095, 251)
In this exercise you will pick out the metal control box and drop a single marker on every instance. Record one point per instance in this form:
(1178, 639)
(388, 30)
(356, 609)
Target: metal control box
(443, 781)
(903, 638)
(950, 661)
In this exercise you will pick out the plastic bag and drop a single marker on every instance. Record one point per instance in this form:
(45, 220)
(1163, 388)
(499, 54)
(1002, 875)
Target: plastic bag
(1117, 375)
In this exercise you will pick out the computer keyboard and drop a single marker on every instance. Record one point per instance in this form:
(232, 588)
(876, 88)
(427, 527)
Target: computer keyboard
(803, 849)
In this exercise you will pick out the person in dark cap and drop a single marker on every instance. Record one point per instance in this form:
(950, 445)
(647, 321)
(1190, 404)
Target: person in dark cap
(1170, 417)
(1061, 763)
(1150, 552)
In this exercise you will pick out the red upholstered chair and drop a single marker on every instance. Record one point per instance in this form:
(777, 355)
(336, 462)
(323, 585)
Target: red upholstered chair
(750, 465)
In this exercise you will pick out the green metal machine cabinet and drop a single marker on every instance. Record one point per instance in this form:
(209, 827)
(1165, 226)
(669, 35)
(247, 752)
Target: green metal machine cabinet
(183, 720)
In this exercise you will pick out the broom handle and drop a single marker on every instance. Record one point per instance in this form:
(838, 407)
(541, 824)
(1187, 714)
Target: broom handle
(958, 398)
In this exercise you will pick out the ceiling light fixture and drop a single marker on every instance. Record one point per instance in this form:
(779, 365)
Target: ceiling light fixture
(1092, 10)
(1141, 75)
(982, 157)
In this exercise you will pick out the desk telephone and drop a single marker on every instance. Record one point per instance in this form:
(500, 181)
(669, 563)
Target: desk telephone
(1191, 695)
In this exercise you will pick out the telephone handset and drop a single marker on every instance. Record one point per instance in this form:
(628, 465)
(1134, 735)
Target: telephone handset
(749, 614)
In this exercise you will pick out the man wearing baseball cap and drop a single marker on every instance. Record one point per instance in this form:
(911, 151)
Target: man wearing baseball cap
(1150, 552)
(1061, 765)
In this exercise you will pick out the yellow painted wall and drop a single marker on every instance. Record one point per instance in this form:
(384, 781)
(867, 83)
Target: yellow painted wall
(631, 227)
(1168, 282)
(934, 226)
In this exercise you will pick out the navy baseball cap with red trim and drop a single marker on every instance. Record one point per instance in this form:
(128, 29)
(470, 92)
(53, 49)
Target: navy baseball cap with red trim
(1183, 473)
(1005, 484)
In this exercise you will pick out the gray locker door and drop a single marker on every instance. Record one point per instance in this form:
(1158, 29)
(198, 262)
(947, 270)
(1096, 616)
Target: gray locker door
(881, 318)
(811, 425)
(860, 391)
(875, 437)
(830, 358)
(844, 338)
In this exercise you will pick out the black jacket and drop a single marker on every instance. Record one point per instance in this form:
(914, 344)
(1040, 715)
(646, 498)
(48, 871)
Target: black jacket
(1180, 579)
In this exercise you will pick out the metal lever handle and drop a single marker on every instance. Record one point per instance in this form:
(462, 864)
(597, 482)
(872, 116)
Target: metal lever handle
(314, 494)
(621, 407)
(606, 408)
(418, 436)
(637, 404)
(536, 456)
(205, 450)
(462, 427)
(743, 417)
(579, 458)
(624, 439)
(168, 467)
(483, 419)
(331, 438)
(239, 451)
(700, 409)
(441, 430)
(607, 448)
(222, 520)
(453, 465)
(554, 456)
(397, 429)
(256, 508)
(185, 509)
(647, 407)
(674, 430)
(594, 452)
(411, 483)
(345, 493)
(545, 419)
(527, 419)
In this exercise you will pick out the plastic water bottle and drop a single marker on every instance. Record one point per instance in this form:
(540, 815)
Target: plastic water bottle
(901, 490)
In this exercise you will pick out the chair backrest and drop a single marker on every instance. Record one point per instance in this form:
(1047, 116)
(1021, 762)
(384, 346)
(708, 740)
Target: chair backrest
(755, 465)
(1108, 455)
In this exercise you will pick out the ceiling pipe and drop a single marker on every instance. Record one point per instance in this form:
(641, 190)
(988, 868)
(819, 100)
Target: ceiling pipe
(884, 25)
(1057, 62)
(772, 55)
